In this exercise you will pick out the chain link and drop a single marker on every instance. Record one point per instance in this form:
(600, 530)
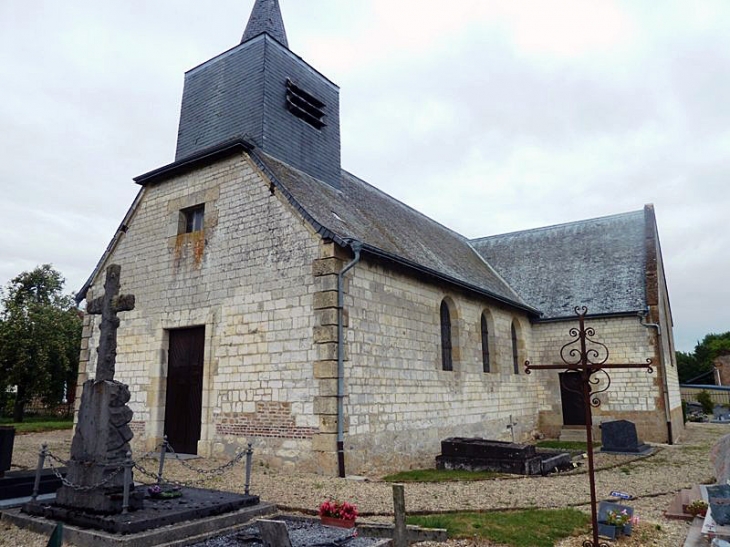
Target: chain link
(78, 487)
(172, 482)
(216, 471)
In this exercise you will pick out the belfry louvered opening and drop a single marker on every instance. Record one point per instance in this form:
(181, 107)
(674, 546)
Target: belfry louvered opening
(304, 106)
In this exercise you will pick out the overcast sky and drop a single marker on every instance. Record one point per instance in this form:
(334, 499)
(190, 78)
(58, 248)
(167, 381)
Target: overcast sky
(488, 115)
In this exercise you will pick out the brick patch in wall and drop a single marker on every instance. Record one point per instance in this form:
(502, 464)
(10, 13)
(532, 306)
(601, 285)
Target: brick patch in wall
(270, 420)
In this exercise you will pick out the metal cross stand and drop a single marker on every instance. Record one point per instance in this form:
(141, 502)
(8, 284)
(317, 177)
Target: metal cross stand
(579, 357)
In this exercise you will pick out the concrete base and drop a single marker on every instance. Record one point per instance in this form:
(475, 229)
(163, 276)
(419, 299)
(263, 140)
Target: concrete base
(178, 535)
(642, 450)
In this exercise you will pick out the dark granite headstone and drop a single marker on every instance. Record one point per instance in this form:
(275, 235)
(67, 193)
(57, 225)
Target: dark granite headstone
(719, 497)
(7, 439)
(620, 437)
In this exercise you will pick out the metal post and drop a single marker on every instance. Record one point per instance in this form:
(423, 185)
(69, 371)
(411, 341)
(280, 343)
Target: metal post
(127, 482)
(39, 469)
(589, 441)
(249, 461)
(163, 451)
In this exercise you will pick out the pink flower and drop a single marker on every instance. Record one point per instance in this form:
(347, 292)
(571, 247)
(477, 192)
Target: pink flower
(345, 511)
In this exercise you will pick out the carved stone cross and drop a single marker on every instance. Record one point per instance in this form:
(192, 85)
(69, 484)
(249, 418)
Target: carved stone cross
(108, 306)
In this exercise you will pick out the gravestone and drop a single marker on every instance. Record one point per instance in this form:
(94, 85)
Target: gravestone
(101, 441)
(720, 457)
(475, 454)
(619, 437)
(720, 414)
(7, 439)
(274, 533)
(719, 499)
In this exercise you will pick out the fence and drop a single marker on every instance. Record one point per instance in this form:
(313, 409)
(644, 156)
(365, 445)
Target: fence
(720, 394)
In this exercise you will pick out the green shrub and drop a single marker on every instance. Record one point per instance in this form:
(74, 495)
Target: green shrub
(684, 411)
(705, 399)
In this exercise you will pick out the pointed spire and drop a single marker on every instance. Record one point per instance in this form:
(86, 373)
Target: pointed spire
(266, 17)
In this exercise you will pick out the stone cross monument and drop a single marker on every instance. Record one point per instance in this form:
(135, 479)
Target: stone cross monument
(101, 441)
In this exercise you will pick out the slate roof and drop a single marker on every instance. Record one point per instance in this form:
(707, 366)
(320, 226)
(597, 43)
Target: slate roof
(599, 263)
(266, 17)
(389, 229)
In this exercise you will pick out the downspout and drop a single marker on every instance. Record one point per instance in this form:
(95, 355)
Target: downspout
(665, 384)
(356, 246)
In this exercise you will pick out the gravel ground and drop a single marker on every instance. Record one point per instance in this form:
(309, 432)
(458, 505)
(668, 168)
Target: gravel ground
(653, 481)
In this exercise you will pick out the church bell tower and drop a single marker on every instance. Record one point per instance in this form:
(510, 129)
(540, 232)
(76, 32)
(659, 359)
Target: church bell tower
(263, 93)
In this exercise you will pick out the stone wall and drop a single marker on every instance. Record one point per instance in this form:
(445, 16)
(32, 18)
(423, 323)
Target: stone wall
(659, 318)
(722, 365)
(633, 395)
(400, 402)
(247, 278)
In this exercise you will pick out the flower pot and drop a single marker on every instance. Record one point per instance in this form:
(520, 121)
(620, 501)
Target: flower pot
(609, 530)
(339, 523)
(695, 513)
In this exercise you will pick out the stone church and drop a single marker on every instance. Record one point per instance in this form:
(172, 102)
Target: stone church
(285, 302)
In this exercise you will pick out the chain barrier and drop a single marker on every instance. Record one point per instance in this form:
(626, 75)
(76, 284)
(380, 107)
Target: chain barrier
(78, 487)
(216, 471)
(206, 474)
(171, 482)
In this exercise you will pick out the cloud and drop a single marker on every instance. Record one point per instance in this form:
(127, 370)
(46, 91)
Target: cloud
(488, 116)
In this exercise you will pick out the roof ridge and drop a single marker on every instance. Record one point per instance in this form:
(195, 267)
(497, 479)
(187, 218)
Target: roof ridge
(561, 225)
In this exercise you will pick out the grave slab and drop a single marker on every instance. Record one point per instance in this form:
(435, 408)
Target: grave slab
(183, 533)
(19, 484)
(476, 454)
(194, 503)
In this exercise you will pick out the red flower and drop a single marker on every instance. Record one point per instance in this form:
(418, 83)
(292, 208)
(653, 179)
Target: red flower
(335, 509)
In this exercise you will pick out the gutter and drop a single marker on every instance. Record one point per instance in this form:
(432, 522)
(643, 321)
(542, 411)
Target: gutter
(665, 384)
(356, 246)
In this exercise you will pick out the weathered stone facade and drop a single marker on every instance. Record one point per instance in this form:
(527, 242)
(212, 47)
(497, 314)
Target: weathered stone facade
(264, 286)
(252, 288)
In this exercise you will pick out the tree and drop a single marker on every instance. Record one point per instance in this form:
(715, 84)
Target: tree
(40, 337)
(700, 362)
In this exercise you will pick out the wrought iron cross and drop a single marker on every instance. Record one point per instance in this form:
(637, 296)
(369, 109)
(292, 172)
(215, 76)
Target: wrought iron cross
(588, 360)
(108, 306)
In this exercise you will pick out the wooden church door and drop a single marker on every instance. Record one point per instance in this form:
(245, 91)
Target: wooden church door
(571, 396)
(183, 403)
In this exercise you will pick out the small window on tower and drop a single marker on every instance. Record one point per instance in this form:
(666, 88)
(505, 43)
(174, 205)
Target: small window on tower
(304, 105)
(191, 219)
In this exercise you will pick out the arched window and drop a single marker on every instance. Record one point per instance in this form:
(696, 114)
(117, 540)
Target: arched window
(515, 353)
(485, 344)
(447, 362)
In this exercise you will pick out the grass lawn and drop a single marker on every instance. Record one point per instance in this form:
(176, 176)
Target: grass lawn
(531, 528)
(38, 424)
(441, 475)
